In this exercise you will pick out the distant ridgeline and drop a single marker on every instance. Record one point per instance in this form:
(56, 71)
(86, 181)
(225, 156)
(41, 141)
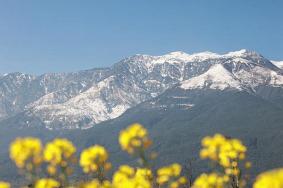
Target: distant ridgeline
(86, 98)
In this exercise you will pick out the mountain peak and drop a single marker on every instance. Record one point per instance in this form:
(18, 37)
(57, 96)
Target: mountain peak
(242, 53)
(177, 53)
(237, 53)
(217, 77)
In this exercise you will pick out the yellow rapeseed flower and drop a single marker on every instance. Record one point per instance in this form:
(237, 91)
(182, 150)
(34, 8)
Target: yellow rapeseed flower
(59, 152)
(223, 150)
(248, 164)
(270, 179)
(26, 152)
(144, 172)
(134, 137)
(93, 158)
(4, 184)
(47, 183)
(128, 177)
(52, 170)
(212, 180)
(96, 184)
(170, 174)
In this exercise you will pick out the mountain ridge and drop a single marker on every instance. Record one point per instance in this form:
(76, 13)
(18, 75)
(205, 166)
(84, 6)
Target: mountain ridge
(85, 98)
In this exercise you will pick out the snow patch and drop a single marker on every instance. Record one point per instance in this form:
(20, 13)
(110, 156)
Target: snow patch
(217, 77)
(118, 110)
(236, 53)
(259, 76)
(279, 64)
(180, 57)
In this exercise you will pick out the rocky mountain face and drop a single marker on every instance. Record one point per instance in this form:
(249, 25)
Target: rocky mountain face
(86, 98)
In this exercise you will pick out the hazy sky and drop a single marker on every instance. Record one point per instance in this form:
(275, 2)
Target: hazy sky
(39, 36)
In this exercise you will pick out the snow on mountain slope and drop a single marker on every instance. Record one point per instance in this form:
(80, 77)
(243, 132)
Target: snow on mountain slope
(217, 77)
(179, 56)
(81, 111)
(21, 91)
(184, 57)
(202, 56)
(89, 107)
(242, 53)
(85, 98)
(259, 76)
(278, 64)
(14, 93)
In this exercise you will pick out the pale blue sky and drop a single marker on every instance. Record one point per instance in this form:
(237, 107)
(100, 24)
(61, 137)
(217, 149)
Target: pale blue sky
(39, 36)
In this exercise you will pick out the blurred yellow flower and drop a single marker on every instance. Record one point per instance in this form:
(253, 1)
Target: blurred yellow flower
(51, 169)
(248, 164)
(4, 184)
(26, 152)
(94, 158)
(227, 153)
(212, 180)
(59, 152)
(133, 138)
(96, 184)
(144, 172)
(170, 174)
(223, 150)
(270, 179)
(47, 183)
(128, 177)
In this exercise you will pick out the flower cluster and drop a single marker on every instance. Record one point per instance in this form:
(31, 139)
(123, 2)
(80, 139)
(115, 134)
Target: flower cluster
(47, 183)
(134, 138)
(270, 179)
(96, 184)
(127, 176)
(227, 155)
(222, 150)
(212, 180)
(59, 154)
(171, 175)
(94, 160)
(26, 152)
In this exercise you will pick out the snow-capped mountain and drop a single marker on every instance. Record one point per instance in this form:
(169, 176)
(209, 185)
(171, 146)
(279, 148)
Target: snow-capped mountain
(86, 98)
(18, 91)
